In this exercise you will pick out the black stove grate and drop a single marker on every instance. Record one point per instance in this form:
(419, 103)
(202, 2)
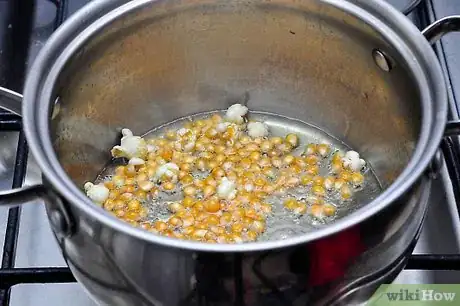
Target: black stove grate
(23, 10)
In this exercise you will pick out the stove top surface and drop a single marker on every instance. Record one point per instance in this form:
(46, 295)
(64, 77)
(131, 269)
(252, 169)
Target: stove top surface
(37, 248)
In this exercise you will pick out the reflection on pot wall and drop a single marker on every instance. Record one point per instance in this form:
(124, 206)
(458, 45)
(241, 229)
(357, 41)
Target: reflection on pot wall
(299, 59)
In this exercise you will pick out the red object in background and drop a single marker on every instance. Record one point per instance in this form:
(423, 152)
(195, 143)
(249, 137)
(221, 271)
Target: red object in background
(330, 257)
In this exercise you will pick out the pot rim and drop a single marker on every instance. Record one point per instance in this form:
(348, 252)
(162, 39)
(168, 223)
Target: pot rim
(46, 69)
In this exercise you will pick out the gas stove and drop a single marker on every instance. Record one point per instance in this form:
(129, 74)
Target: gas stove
(33, 271)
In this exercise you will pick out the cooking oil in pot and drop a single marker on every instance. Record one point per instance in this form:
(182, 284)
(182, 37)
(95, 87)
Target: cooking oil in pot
(233, 176)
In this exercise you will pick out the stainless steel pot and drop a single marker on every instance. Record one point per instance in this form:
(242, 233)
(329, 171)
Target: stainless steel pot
(358, 69)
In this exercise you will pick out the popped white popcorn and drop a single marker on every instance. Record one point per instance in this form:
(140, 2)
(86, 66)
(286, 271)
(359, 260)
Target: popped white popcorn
(236, 112)
(168, 169)
(226, 189)
(136, 161)
(130, 146)
(98, 193)
(222, 127)
(352, 161)
(257, 129)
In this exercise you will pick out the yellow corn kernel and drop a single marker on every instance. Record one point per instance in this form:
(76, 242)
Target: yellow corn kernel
(120, 170)
(207, 156)
(323, 149)
(216, 229)
(201, 164)
(312, 170)
(132, 216)
(187, 179)
(199, 234)
(187, 231)
(290, 203)
(329, 182)
(329, 210)
(339, 183)
(200, 216)
(277, 162)
(140, 195)
(118, 180)
(160, 226)
(212, 164)
(218, 172)
(254, 156)
(109, 204)
(255, 168)
(292, 181)
(120, 213)
(146, 186)
(237, 227)
(251, 213)
(260, 182)
(311, 149)
(109, 185)
(232, 176)
(189, 191)
(130, 181)
(211, 133)
(168, 186)
(130, 189)
(209, 180)
(145, 226)
(250, 236)
(199, 183)
(318, 190)
(198, 206)
(226, 218)
(345, 175)
(185, 167)
(245, 163)
(176, 207)
(266, 208)
(318, 180)
(300, 209)
(212, 220)
(127, 196)
(188, 202)
(288, 159)
(316, 210)
(311, 159)
(212, 205)
(174, 221)
(266, 146)
(295, 169)
(220, 158)
(275, 141)
(292, 140)
(134, 205)
(220, 149)
(345, 192)
(357, 179)
(119, 204)
(306, 179)
(258, 226)
(269, 189)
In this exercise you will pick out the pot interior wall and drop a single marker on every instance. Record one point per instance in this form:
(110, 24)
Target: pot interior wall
(302, 59)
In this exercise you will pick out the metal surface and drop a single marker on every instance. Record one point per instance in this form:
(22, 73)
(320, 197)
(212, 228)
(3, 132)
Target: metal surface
(448, 231)
(442, 27)
(381, 60)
